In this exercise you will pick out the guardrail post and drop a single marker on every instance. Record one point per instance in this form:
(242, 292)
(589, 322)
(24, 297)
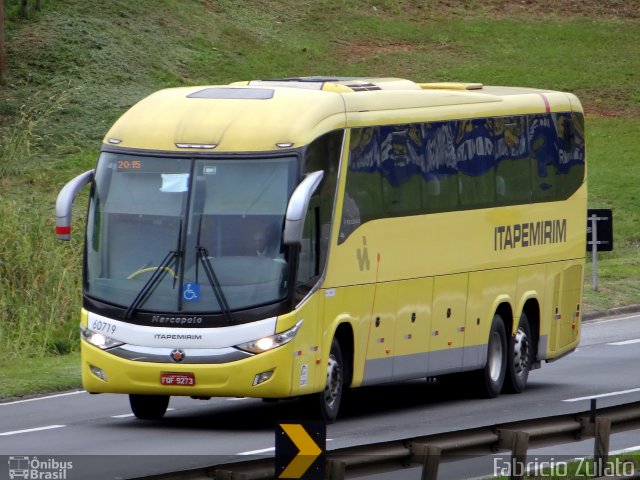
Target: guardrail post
(601, 445)
(430, 462)
(337, 470)
(220, 474)
(518, 443)
(594, 250)
(588, 423)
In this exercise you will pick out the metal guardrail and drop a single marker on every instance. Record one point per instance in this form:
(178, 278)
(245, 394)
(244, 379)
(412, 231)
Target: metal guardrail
(430, 450)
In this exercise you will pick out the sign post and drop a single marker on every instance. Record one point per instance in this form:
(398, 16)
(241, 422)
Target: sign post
(300, 450)
(599, 236)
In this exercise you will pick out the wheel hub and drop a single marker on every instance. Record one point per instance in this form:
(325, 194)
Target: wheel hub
(495, 357)
(521, 352)
(334, 382)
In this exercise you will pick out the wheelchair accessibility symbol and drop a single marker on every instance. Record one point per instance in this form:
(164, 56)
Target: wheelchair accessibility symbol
(191, 292)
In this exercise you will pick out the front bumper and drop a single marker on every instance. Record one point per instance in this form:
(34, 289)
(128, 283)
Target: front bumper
(232, 379)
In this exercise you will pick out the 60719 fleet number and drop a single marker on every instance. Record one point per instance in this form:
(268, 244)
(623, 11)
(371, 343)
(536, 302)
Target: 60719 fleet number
(103, 327)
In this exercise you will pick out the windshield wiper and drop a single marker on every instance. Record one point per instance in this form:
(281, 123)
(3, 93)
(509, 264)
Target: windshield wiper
(151, 284)
(157, 276)
(203, 255)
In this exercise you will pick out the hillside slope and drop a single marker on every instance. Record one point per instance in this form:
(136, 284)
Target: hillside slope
(75, 66)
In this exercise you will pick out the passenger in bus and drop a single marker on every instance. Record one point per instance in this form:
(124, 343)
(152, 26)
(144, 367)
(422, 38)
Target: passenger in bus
(350, 217)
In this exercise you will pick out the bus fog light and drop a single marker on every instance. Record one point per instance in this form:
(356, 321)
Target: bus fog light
(262, 377)
(98, 372)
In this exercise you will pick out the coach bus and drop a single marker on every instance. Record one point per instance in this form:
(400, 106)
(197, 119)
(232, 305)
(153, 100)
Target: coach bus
(301, 236)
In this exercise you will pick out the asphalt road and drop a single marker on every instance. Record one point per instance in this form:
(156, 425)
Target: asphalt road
(98, 434)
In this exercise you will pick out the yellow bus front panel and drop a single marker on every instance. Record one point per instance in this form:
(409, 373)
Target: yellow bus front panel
(295, 368)
(211, 380)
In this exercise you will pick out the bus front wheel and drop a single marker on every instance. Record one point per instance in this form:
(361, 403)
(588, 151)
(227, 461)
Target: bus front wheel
(149, 407)
(491, 378)
(327, 402)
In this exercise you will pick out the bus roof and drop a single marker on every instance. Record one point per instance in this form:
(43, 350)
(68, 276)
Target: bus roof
(263, 115)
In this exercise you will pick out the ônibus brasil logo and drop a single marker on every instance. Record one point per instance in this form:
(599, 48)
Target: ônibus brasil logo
(33, 468)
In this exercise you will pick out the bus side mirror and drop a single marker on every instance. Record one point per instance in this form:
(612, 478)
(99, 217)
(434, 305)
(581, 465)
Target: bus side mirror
(297, 208)
(65, 201)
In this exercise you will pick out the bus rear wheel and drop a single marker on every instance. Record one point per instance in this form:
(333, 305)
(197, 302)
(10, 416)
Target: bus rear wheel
(149, 407)
(490, 379)
(519, 362)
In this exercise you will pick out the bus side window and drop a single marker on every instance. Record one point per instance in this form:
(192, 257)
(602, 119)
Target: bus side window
(309, 261)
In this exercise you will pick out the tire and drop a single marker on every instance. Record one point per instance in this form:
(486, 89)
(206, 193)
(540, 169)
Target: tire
(490, 380)
(149, 407)
(327, 402)
(519, 357)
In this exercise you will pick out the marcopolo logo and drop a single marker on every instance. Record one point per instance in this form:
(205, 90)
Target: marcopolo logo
(176, 320)
(33, 468)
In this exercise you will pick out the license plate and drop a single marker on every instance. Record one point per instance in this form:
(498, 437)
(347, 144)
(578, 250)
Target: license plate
(178, 379)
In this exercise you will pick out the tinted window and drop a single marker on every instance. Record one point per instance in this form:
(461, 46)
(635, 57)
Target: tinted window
(323, 154)
(413, 169)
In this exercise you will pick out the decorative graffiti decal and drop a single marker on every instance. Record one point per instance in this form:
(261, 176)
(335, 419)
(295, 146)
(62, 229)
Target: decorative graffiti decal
(410, 169)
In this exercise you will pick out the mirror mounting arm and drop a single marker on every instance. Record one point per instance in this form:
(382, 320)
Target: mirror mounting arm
(297, 208)
(64, 202)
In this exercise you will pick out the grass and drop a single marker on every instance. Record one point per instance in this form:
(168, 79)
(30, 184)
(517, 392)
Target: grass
(40, 375)
(613, 177)
(74, 67)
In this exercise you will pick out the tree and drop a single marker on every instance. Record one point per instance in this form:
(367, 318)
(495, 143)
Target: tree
(3, 50)
(24, 6)
(3, 47)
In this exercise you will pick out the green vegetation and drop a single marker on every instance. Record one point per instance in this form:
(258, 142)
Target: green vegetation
(76, 65)
(44, 374)
(614, 172)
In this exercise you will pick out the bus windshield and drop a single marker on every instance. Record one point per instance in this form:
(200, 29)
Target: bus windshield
(188, 234)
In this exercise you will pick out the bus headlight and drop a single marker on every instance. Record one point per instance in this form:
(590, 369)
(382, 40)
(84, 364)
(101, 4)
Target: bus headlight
(98, 339)
(271, 342)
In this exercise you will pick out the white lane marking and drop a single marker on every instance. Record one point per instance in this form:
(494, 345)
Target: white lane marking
(256, 452)
(235, 399)
(602, 395)
(607, 320)
(626, 450)
(265, 450)
(29, 430)
(625, 342)
(41, 398)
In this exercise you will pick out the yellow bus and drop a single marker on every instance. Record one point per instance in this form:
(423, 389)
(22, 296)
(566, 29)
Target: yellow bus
(297, 237)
